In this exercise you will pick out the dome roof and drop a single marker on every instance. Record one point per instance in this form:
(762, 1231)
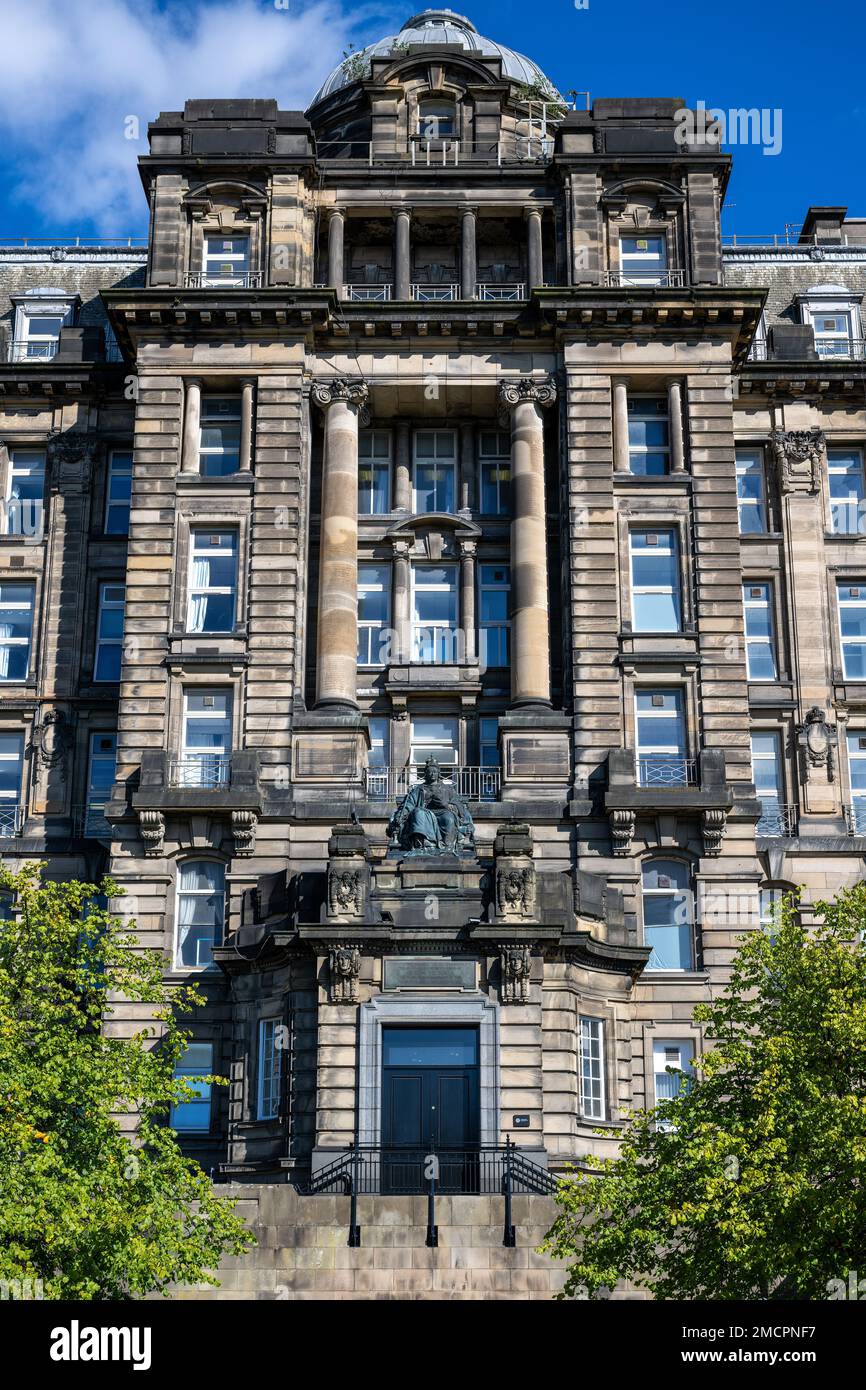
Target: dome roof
(434, 26)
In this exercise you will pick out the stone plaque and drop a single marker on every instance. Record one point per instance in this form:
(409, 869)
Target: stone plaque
(427, 972)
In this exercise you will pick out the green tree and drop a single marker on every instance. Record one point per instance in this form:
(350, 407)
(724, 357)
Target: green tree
(751, 1182)
(84, 1209)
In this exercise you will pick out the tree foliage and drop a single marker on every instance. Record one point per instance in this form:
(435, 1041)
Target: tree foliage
(754, 1185)
(87, 1209)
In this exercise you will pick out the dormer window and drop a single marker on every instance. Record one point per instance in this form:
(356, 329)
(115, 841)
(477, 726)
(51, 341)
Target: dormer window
(644, 260)
(833, 334)
(834, 314)
(225, 261)
(39, 317)
(437, 119)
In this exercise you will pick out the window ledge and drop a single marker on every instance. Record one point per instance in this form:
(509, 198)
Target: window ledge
(761, 536)
(682, 478)
(671, 977)
(242, 481)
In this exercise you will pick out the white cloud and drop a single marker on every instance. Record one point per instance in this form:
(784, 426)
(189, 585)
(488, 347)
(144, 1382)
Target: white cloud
(75, 70)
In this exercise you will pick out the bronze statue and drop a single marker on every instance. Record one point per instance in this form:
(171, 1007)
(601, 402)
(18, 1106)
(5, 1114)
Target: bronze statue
(432, 818)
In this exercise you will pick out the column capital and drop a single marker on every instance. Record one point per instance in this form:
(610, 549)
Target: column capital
(532, 210)
(340, 388)
(467, 208)
(333, 212)
(404, 209)
(539, 390)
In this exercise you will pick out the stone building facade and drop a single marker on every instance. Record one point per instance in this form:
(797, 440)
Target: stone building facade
(435, 426)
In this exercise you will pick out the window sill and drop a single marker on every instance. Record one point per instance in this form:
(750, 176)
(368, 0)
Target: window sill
(760, 536)
(241, 481)
(682, 478)
(672, 977)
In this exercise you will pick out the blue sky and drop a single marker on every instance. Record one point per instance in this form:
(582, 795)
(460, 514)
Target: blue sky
(68, 144)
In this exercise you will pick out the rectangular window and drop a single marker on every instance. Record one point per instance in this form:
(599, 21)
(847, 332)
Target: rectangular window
(751, 492)
(11, 773)
(225, 260)
(374, 472)
(769, 900)
(433, 736)
(434, 613)
(380, 740)
(200, 912)
(760, 637)
(767, 776)
(669, 1084)
(220, 444)
(16, 629)
(644, 259)
(271, 1031)
(213, 581)
(655, 581)
(118, 492)
(109, 632)
(852, 628)
(649, 436)
(661, 739)
(845, 474)
(42, 334)
(832, 333)
(488, 740)
(193, 1116)
(592, 1068)
(207, 738)
(435, 471)
(494, 595)
(101, 768)
(25, 492)
(857, 776)
(667, 915)
(494, 451)
(374, 614)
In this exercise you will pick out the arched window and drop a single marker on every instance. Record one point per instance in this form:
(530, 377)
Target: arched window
(200, 912)
(437, 119)
(668, 915)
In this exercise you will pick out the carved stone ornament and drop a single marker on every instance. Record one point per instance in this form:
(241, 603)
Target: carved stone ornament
(341, 388)
(622, 825)
(151, 826)
(540, 390)
(713, 824)
(515, 891)
(344, 892)
(817, 741)
(244, 832)
(516, 967)
(345, 969)
(798, 456)
(52, 739)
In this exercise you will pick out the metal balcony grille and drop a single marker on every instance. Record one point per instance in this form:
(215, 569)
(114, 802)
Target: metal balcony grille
(500, 292)
(243, 280)
(427, 294)
(660, 770)
(200, 770)
(777, 822)
(11, 821)
(24, 351)
(90, 822)
(473, 783)
(368, 294)
(855, 818)
(841, 347)
(482, 1170)
(645, 279)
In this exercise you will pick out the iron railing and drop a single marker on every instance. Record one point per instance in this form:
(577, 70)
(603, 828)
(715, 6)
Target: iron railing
(500, 292)
(663, 770)
(90, 822)
(243, 280)
(202, 770)
(368, 294)
(644, 279)
(845, 348)
(428, 294)
(11, 821)
(73, 243)
(777, 822)
(473, 783)
(479, 1170)
(23, 351)
(855, 818)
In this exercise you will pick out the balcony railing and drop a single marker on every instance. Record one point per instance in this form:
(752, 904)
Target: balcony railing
(644, 279)
(473, 783)
(855, 818)
(200, 770)
(23, 351)
(244, 280)
(844, 348)
(500, 292)
(368, 294)
(428, 294)
(777, 822)
(661, 770)
(90, 822)
(11, 821)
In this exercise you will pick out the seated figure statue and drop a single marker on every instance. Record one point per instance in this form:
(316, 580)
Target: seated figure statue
(432, 818)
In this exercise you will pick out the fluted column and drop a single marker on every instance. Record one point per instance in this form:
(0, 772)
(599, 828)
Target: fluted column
(621, 460)
(468, 254)
(402, 468)
(337, 649)
(245, 461)
(468, 619)
(525, 399)
(675, 415)
(534, 256)
(402, 253)
(191, 462)
(336, 236)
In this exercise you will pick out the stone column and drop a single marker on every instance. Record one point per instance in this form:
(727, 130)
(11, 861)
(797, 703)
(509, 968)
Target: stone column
(402, 253)
(621, 460)
(675, 416)
(468, 256)
(192, 427)
(246, 426)
(468, 497)
(336, 666)
(525, 398)
(468, 619)
(400, 592)
(336, 229)
(534, 258)
(402, 469)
